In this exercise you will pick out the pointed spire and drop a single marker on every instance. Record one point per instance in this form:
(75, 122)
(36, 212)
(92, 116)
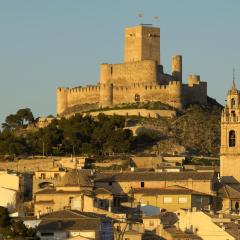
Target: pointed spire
(233, 84)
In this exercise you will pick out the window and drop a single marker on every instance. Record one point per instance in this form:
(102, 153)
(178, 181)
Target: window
(167, 200)
(43, 175)
(142, 184)
(56, 175)
(70, 200)
(47, 234)
(232, 139)
(232, 103)
(182, 200)
(151, 223)
(137, 98)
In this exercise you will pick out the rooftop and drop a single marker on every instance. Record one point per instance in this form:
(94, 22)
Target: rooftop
(175, 190)
(153, 176)
(76, 178)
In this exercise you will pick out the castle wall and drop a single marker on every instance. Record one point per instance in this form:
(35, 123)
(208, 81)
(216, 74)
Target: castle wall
(136, 112)
(170, 94)
(126, 74)
(195, 91)
(77, 96)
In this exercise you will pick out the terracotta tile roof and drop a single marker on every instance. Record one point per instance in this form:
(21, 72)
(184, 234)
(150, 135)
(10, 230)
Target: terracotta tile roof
(153, 176)
(76, 178)
(69, 225)
(231, 191)
(50, 202)
(71, 220)
(175, 190)
(54, 191)
(72, 214)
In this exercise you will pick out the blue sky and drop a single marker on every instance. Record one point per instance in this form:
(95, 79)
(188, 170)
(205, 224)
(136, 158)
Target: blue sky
(45, 44)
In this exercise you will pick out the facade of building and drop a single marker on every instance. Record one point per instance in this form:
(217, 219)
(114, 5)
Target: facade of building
(139, 79)
(68, 224)
(59, 197)
(172, 198)
(124, 182)
(12, 190)
(230, 140)
(207, 226)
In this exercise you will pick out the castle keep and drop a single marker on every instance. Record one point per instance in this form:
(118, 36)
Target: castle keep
(139, 79)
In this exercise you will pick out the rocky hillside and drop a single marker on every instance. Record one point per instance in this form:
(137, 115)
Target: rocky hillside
(196, 130)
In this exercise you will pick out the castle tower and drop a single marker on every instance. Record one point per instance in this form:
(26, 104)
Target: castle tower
(175, 94)
(106, 95)
(142, 43)
(230, 137)
(62, 103)
(177, 67)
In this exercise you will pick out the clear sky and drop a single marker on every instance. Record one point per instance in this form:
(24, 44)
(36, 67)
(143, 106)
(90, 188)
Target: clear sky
(49, 43)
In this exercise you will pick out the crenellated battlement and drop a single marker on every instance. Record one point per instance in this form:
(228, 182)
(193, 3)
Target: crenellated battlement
(140, 78)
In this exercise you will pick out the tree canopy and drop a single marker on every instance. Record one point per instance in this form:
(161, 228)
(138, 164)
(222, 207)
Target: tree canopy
(19, 119)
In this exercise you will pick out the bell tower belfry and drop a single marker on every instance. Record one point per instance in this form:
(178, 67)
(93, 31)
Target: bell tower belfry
(230, 137)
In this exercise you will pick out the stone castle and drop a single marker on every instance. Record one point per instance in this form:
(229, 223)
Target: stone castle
(139, 79)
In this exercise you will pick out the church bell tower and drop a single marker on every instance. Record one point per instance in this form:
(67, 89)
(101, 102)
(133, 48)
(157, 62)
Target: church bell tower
(230, 137)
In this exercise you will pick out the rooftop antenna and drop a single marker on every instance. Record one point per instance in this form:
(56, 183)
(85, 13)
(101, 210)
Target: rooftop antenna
(140, 16)
(156, 18)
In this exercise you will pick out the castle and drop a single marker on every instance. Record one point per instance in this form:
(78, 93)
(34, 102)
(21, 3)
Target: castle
(139, 79)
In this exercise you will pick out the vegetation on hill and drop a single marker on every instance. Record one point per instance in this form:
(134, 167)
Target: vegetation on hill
(76, 135)
(196, 129)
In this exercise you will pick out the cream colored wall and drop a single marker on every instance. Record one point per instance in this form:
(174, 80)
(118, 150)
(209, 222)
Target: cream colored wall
(8, 198)
(229, 166)
(60, 201)
(158, 201)
(136, 112)
(11, 181)
(49, 174)
(206, 228)
(84, 234)
(200, 186)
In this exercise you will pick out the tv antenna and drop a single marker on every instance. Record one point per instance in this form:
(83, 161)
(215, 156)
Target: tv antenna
(157, 18)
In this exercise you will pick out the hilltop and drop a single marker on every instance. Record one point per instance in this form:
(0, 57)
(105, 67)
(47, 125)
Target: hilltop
(195, 130)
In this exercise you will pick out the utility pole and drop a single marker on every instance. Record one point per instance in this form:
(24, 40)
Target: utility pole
(43, 149)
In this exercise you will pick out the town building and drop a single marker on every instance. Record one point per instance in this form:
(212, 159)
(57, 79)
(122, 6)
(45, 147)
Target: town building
(68, 224)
